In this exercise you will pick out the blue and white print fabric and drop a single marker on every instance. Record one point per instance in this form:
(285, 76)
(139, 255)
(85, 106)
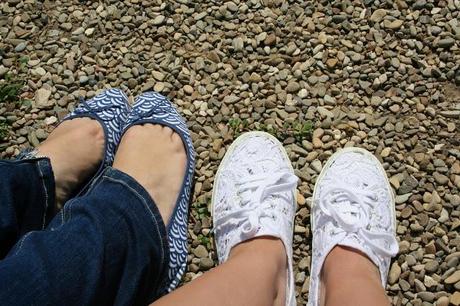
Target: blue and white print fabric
(151, 107)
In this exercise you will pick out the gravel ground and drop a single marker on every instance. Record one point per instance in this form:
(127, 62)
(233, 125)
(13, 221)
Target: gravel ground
(382, 75)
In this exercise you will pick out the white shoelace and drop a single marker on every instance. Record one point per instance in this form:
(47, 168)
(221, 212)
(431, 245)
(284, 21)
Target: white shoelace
(253, 193)
(359, 204)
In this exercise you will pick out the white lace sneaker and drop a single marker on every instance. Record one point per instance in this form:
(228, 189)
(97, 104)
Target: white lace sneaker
(255, 195)
(353, 205)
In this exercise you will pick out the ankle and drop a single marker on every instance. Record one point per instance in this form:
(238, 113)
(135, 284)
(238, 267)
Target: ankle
(269, 257)
(350, 278)
(272, 249)
(348, 261)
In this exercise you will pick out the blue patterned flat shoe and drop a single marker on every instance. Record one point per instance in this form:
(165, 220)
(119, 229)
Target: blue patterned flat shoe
(151, 107)
(110, 108)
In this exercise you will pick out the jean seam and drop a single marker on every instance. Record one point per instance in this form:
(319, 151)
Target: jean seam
(67, 212)
(62, 215)
(46, 194)
(21, 242)
(148, 209)
(69, 209)
(93, 185)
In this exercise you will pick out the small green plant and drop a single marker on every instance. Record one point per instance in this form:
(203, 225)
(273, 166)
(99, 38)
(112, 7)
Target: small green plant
(201, 209)
(204, 240)
(10, 89)
(237, 125)
(300, 130)
(268, 128)
(234, 123)
(13, 84)
(3, 131)
(23, 61)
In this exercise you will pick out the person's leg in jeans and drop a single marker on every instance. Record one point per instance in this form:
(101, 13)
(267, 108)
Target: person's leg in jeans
(82, 146)
(26, 199)
(107, 247)
(28, 191)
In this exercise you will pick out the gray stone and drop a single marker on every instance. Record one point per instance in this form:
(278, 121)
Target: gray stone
(378, 15)
(83, 79)
(339, 18)
(21, 47)
(238, 44)
(452, 279)
(440, 178)
(402, 198)
(426, 296)
(316, 165)
(42, 98)
(446, 42)
(159, 20)
(431, 266)
(395, 272)
(419, 4)
(200, 251)
(206, 263)
(394, 25)
(292, 87)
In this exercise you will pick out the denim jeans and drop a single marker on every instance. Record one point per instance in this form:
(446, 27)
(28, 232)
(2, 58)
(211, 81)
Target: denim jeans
(106, 247)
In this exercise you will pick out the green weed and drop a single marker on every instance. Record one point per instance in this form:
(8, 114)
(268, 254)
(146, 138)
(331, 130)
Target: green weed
(23, 61)
(4, 129)
(237, 125)
(12, 85)
(10, 89)
(300, 130)
(201, 209)
(204, 240)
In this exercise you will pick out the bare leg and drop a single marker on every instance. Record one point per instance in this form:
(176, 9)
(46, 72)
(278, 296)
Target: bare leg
(254, 274)
(255, 261)
(350, 278)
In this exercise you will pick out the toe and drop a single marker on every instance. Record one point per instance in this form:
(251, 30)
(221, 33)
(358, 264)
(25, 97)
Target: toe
(177, 142)
(168, 131)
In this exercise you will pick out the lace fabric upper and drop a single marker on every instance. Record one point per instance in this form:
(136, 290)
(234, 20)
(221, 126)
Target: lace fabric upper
(352, 206)
(254, 195)
(260, 198)
(351, 209)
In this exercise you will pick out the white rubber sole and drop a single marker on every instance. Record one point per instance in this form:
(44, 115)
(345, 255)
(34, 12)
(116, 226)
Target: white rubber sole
(328, 164)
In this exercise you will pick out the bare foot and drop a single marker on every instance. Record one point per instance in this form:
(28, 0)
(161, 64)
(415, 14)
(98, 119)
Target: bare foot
(154, 155)
(75, 149)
